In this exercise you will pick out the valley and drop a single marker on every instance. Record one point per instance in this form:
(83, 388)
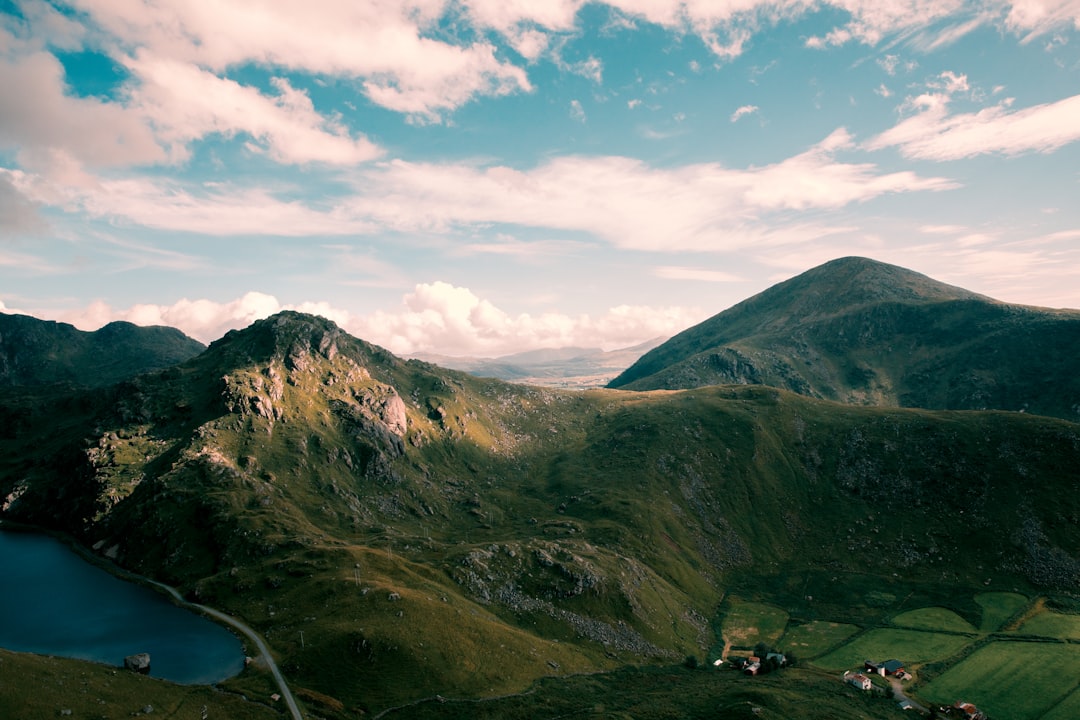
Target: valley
(413, 541)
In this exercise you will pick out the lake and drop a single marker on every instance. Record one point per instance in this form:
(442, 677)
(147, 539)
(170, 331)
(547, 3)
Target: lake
(53, 602)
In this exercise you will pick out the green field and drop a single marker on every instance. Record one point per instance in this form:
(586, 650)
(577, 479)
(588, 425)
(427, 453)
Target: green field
(1017, 680)
(811, 639)
(1067, 709)
(747, 623)
(935, 619)
(911, 646)
(1053, 624)
(998, 607)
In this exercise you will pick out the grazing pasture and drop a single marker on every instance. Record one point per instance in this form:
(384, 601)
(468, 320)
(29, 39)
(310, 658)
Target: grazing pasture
(937, 619)
(747, 623)
(1052, 624)
(1067, 709)
(811, 639)
(998, 607)
(911, 646)
(1016, 680)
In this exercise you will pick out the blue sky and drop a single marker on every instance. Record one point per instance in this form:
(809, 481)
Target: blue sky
(488, 176)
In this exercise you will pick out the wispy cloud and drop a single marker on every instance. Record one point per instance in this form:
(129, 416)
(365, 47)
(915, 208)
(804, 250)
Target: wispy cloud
(676, 272)
(934, 133)
(630, 204)
(743, 111)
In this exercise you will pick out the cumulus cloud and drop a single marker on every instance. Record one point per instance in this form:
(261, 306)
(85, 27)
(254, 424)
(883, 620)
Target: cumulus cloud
(387, 44)
(435, 317)
(41, 121)
(185, 103)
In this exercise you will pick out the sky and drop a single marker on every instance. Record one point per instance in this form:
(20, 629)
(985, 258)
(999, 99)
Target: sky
(482, 177)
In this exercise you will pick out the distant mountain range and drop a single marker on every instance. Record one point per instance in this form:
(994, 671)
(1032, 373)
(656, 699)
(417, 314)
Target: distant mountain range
(42, 352)
(571, 367)
(864, 332)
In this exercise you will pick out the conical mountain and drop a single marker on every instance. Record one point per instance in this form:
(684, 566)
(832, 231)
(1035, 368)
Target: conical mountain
(860, 331)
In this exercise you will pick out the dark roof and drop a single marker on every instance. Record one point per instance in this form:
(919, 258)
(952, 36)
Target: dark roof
(893, 665)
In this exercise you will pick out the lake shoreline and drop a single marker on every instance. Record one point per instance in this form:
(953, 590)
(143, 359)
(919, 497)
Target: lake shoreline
(173, 598)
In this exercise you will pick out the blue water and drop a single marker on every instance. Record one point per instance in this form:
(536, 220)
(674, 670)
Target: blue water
(55, 603)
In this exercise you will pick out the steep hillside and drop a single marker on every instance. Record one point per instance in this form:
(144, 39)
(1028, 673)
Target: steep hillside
(399, 531)
(863, 332)
(42, 352)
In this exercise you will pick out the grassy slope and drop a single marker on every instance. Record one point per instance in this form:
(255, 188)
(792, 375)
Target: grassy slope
(35, 687)
(867, 333)
(518, 533)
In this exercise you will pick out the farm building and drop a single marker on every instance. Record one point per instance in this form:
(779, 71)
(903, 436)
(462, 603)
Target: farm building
(893, 667)
(753, 665)
(969, 711)
(860, 681)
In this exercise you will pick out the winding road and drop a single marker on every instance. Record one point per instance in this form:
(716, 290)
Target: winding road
(249, 633)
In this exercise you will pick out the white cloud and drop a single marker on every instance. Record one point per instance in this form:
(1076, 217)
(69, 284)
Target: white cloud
(43, 123)
(18, 214)
(1035, 17)
(576, 111)
(435, 317)
(386, 43)
(185, 103)
(212, 209)
(935, 134)
(742, 111)
(629, 204)
(620, 200)
(677, 272)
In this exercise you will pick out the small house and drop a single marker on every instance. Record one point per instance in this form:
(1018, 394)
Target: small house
(780, 658)
(753, 665)
(860, 681)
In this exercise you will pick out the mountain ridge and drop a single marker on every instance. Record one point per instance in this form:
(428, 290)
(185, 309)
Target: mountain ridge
(45, 352)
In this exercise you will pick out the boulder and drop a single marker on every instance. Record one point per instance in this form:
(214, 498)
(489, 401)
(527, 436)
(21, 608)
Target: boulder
(139, 663)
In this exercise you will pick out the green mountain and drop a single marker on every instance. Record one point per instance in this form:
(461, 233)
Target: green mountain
(42, 352)
(863, 332)
(399, 531)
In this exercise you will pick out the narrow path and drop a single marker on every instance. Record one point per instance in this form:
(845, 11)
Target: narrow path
(249, 633)
(898, 693)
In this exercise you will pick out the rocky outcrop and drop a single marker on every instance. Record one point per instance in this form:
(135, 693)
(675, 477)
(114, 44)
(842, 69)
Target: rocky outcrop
(139, 663)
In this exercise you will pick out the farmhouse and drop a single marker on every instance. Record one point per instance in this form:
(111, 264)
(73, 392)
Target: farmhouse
(860, 681)
(753, 665)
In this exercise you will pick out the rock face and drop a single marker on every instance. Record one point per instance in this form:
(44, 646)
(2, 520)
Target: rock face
(139, 663)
